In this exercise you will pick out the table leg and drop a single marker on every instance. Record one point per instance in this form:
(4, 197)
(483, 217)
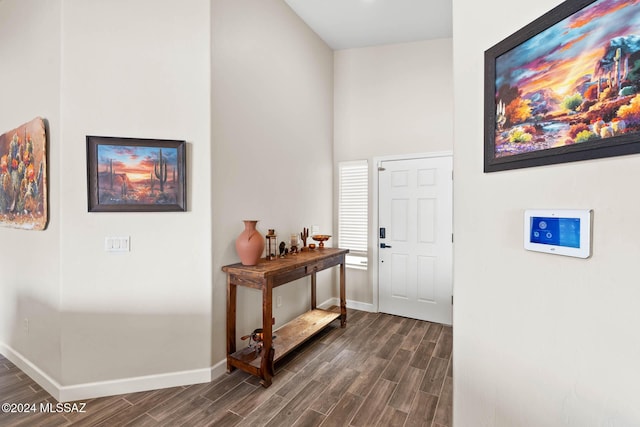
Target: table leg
(343, 297)
(231, 321)
(313, 291)
(266, 364)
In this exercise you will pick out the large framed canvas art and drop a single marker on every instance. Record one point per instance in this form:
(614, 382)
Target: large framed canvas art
(565, 88)
(23, 176)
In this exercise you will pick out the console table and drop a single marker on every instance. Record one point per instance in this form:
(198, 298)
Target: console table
(265, 276)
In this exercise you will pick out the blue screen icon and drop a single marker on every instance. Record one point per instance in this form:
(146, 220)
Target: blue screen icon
(555, 231)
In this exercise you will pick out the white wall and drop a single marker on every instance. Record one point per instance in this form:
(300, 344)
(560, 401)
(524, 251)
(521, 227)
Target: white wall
(136, 69)
(29, 260)
(391, 100)
(539, 339)
(249, 87)
(272, 145)
(122, 68)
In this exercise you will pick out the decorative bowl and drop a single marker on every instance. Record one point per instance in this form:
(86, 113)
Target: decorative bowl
(321, 238)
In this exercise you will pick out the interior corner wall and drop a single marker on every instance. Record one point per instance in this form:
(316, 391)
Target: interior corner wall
(135, 68)
(539, 339)
(272, 124)
(391, 100)
(29, 260)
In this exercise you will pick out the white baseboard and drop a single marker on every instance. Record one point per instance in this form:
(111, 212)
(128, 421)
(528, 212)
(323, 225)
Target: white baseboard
(356, 305)
(131, 385)
(219, 369)
(113, 387)
(36, 374)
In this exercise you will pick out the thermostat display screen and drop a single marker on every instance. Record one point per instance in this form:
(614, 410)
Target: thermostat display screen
(559, 231)
(555, 231)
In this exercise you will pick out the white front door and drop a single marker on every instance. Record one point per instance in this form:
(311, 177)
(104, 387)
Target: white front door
(415, 238)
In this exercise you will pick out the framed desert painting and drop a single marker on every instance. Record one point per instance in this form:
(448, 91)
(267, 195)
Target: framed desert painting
(135, 175)
(565, 88)
(23, 176)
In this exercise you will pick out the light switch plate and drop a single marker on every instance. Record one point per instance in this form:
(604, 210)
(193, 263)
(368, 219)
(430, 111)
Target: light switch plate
(117, 244)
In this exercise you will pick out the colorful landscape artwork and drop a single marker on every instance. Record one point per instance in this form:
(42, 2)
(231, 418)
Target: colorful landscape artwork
(577, 82)
(23, 176)
(138, 175)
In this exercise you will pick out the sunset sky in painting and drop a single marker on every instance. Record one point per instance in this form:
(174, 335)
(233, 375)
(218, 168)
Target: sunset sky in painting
(561, 56)
(136, 162)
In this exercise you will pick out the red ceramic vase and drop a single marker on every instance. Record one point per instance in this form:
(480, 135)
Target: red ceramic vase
(250, 244)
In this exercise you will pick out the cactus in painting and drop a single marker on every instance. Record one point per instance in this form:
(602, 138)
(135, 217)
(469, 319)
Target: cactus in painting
(160, 170)
(111, 173)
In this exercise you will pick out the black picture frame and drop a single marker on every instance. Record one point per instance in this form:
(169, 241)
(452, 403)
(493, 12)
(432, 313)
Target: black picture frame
(117, 170)
(554, 30)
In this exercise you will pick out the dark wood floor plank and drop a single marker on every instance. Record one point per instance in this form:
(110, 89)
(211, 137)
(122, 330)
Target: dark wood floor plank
(346, 359)
(369, 412)
(219, 408)
(369, 374)
(153, 399)
(434, 377)
(310, 353)
(415, 335)
(397, 366)
(94, 418)
(144, 420)
(97, 409)
(433, 333)
(380, 370)
(444, 346)
(422, 411)
(265, 412)
(381, 321)
(327, 400)
(228, 419)
(406, 326)
(444, 411)
(390, 347)
(296, 406)
(188, 410)
(407, 389)
(299, 382)
(259, 395)
(422, 355)
(39, 419)
(223, 387)
(309, 418)
(343, 411)
(392, 417)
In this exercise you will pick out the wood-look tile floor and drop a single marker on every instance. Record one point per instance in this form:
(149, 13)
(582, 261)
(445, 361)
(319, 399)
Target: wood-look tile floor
(380, 370)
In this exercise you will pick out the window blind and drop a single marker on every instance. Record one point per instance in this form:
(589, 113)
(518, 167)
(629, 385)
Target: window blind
(353, 206)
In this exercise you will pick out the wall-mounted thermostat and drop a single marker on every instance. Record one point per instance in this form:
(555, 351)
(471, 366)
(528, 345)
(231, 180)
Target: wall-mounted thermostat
(561, 232)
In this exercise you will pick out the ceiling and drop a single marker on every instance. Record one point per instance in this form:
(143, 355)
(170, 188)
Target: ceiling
(345, 24)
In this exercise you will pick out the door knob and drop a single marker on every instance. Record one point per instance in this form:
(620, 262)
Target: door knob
(384, 246)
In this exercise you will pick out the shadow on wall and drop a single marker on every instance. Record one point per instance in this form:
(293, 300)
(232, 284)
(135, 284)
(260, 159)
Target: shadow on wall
(76, 348)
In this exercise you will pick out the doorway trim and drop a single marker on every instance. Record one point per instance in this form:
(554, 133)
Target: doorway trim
(373, 232)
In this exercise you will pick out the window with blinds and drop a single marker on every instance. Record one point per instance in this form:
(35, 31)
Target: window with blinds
(353, 201)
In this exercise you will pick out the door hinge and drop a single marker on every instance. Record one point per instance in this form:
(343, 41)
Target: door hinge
(451, 299)
(451, 237)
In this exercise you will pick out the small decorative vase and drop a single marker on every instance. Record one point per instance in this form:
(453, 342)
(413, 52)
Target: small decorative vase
(250, 244)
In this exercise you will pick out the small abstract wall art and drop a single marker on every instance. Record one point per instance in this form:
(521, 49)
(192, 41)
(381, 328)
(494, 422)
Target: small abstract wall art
(23, 177)
(135, 175)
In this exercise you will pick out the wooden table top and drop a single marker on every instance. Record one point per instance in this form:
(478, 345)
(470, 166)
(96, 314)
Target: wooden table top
(266, 268)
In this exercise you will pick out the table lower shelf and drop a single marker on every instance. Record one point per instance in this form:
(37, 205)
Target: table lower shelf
(289, 336)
